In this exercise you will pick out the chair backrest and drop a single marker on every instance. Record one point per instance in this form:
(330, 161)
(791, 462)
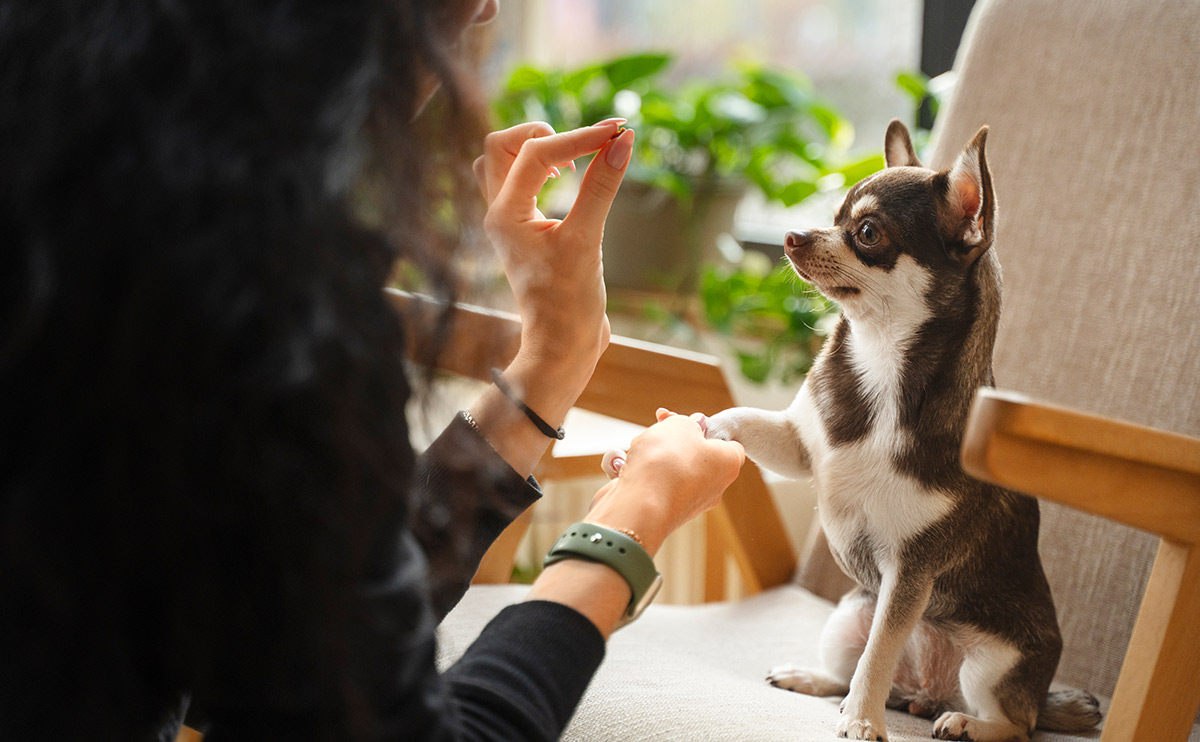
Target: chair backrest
(1093, 108)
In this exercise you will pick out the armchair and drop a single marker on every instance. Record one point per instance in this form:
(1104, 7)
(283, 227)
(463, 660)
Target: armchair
(1093, 108)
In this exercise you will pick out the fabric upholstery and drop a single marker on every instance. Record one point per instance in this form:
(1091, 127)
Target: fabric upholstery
(688, 673)
(1092, 108)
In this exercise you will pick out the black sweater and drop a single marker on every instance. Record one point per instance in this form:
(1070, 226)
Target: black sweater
(522, 678)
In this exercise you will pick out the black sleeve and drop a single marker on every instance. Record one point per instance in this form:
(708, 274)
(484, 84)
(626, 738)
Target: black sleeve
(525, 674)
(463, 496)
(519, 681)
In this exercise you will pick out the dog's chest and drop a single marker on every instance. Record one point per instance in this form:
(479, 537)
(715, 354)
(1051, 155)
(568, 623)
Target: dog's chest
(866, 504)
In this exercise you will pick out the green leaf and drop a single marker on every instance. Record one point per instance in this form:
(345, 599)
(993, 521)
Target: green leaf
(525, 78)
(858, 169)
(575, 82)
(625, 71)
(796, 191)
(916, 84)
(755, 366)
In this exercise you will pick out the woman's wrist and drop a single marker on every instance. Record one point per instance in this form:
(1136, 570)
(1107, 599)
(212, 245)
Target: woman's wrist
(564, 362)
(544, 383)
(628, 510)
(596, 590)
(550, 381)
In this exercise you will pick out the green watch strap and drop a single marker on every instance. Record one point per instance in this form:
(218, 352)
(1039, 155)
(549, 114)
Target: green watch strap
(604, 545)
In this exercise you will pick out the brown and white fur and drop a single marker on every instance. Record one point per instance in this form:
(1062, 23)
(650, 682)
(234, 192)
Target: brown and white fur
(952, 615)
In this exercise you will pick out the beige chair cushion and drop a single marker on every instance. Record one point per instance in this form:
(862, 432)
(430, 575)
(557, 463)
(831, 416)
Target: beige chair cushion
(688, 673)
(1093, 112)
(1093, 108)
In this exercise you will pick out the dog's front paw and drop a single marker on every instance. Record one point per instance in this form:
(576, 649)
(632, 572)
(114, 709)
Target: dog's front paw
(806, 680)
(861, 729)
(722, 426)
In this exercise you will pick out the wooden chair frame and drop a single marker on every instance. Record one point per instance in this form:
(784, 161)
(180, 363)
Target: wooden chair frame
(1145, 478)
(1087, 462)
(632, 379)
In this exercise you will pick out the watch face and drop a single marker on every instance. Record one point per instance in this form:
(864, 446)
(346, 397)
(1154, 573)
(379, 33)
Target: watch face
(648, 598)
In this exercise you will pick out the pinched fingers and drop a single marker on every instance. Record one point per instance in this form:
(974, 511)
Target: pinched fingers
(500, 150)
(733, 453)
(600, 184)
(662, 413)
(612, 462)
(516, 197)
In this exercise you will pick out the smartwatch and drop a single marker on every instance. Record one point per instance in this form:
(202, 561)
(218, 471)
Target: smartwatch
(594, 543)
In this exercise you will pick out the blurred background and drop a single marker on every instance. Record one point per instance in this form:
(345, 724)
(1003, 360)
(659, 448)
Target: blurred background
(850, 49)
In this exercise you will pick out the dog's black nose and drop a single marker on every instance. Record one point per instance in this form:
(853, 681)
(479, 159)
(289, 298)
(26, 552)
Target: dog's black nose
(796, 240)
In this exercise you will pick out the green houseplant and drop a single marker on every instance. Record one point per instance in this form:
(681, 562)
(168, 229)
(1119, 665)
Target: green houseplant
(700, 145)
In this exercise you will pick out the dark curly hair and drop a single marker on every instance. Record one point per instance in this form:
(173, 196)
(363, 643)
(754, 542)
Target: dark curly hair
(202, 386)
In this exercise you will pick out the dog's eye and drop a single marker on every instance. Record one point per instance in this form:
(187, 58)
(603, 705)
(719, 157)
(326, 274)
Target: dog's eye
(868, 234)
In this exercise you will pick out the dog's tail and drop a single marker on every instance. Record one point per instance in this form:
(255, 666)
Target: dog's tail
(1069, 711)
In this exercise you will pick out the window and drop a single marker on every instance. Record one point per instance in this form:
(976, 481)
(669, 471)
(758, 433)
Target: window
(851, 49)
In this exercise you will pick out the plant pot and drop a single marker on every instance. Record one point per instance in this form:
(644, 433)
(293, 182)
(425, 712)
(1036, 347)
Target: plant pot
(653, 242)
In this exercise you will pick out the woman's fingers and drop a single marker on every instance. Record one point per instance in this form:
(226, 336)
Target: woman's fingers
(600, 184)
(735, 451)
(530, 168)
(500, 150)
(479, 167)
(612, 463)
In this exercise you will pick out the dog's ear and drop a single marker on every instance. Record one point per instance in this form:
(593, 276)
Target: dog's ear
(897, 146)
(968, 207)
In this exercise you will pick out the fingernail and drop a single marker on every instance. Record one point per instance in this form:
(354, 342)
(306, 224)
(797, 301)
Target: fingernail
(619, 150)
(610, 122)
(702, 421)
(571, 164)
(618, 464)
(555, 173)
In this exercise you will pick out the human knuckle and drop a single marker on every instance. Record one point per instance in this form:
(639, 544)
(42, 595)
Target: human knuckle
(602, 188)
(540, 129)
(494, 142)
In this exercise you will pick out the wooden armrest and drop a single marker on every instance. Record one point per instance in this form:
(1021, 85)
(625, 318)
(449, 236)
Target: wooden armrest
(1134, 475)
(630, 381)
(1145, 478)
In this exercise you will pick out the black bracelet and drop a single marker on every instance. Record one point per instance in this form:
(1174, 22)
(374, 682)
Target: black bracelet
(547, 429)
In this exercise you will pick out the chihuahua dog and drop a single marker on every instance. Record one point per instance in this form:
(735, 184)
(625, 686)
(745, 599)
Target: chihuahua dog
(952, 616)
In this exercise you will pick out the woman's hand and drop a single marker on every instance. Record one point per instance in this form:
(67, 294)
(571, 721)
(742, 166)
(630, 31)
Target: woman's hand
(554, 267)
(670, 474)
(555, 271)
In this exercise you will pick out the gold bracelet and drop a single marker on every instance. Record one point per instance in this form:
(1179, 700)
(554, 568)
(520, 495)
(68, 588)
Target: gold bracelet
(625, 531)
(470, 420)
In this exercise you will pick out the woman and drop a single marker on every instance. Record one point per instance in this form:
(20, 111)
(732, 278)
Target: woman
(208, 499)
